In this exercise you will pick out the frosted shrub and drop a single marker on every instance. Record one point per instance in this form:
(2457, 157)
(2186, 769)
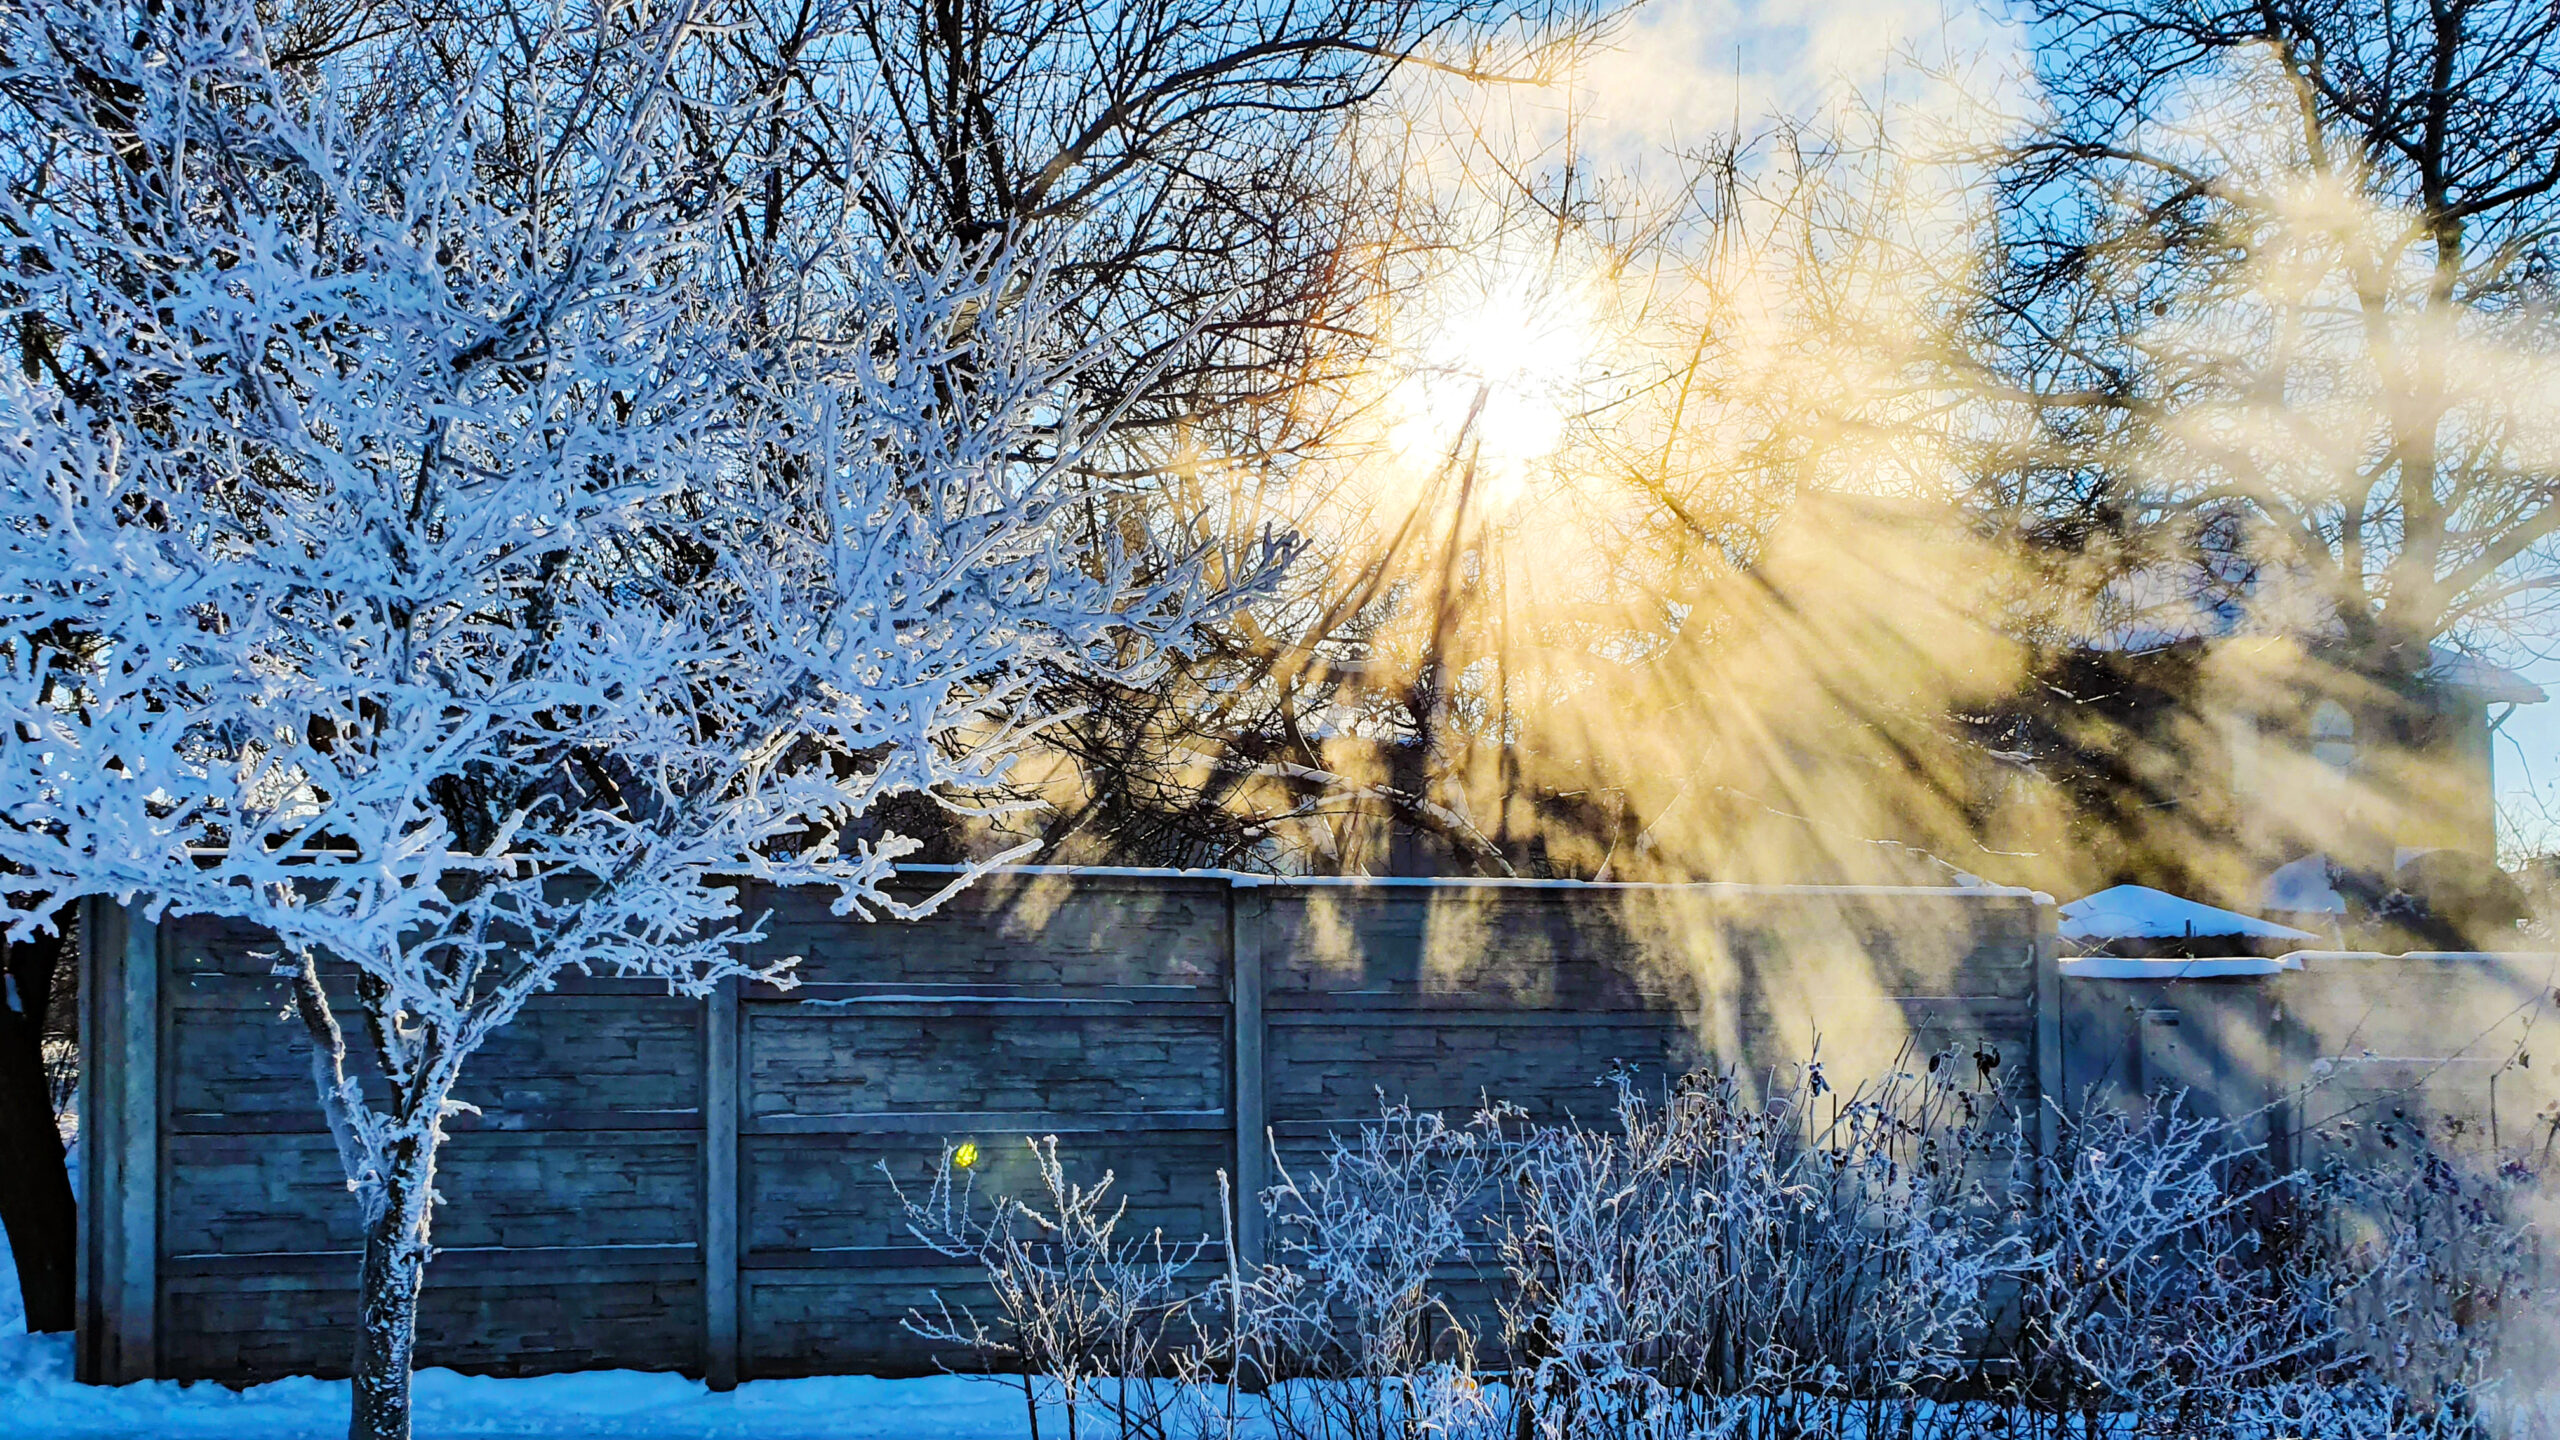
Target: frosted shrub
(2183, 1285)
(1719, 1247)
(1077, 1304)
(1250, 1326)
(2159, 1290)
(2431, 1258)
(1725, 1261)
(1372, 1225)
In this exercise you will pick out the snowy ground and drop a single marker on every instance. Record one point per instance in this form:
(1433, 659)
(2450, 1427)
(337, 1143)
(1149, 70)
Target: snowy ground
(39, 1398)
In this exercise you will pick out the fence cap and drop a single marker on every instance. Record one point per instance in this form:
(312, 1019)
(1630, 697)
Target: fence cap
(2211, 967)
(2475, 956)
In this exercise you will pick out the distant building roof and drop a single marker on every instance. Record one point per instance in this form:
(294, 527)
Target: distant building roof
(2303, 887)
(2221, 597)
(2138, 912)
(2494, 684)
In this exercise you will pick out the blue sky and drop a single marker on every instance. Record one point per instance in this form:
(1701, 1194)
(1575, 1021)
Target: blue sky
(2528, 770)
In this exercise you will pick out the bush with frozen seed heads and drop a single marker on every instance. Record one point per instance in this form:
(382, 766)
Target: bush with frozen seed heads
(1756, 1257)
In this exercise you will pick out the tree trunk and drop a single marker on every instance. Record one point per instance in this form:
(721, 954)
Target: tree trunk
(394, 1274)
(35, 1183)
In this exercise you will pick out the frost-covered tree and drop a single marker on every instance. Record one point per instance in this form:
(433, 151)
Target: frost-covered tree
(417, 540)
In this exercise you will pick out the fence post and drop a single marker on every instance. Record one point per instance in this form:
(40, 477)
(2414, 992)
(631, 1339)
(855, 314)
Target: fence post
(141, 1145)
(720, 1060)
(1247, 904)
(120, 1147)
(2050, 1081)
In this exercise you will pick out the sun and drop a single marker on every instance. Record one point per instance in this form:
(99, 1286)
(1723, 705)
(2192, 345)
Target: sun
(1517, 335)
(1495, 362)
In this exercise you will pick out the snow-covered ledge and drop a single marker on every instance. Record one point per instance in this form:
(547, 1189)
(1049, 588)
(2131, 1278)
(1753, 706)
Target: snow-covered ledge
(2212, 967)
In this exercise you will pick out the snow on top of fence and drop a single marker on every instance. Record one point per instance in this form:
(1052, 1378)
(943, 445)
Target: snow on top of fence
(1245, 879)
(2113, 967)
(2117, 967)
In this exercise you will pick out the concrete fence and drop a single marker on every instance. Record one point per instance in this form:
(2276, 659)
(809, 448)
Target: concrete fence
(2322, 1049)
(667, 1184)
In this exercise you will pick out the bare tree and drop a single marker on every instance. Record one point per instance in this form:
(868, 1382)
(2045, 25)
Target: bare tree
(35, 1187)
(2271, 320)
(1226, 242)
